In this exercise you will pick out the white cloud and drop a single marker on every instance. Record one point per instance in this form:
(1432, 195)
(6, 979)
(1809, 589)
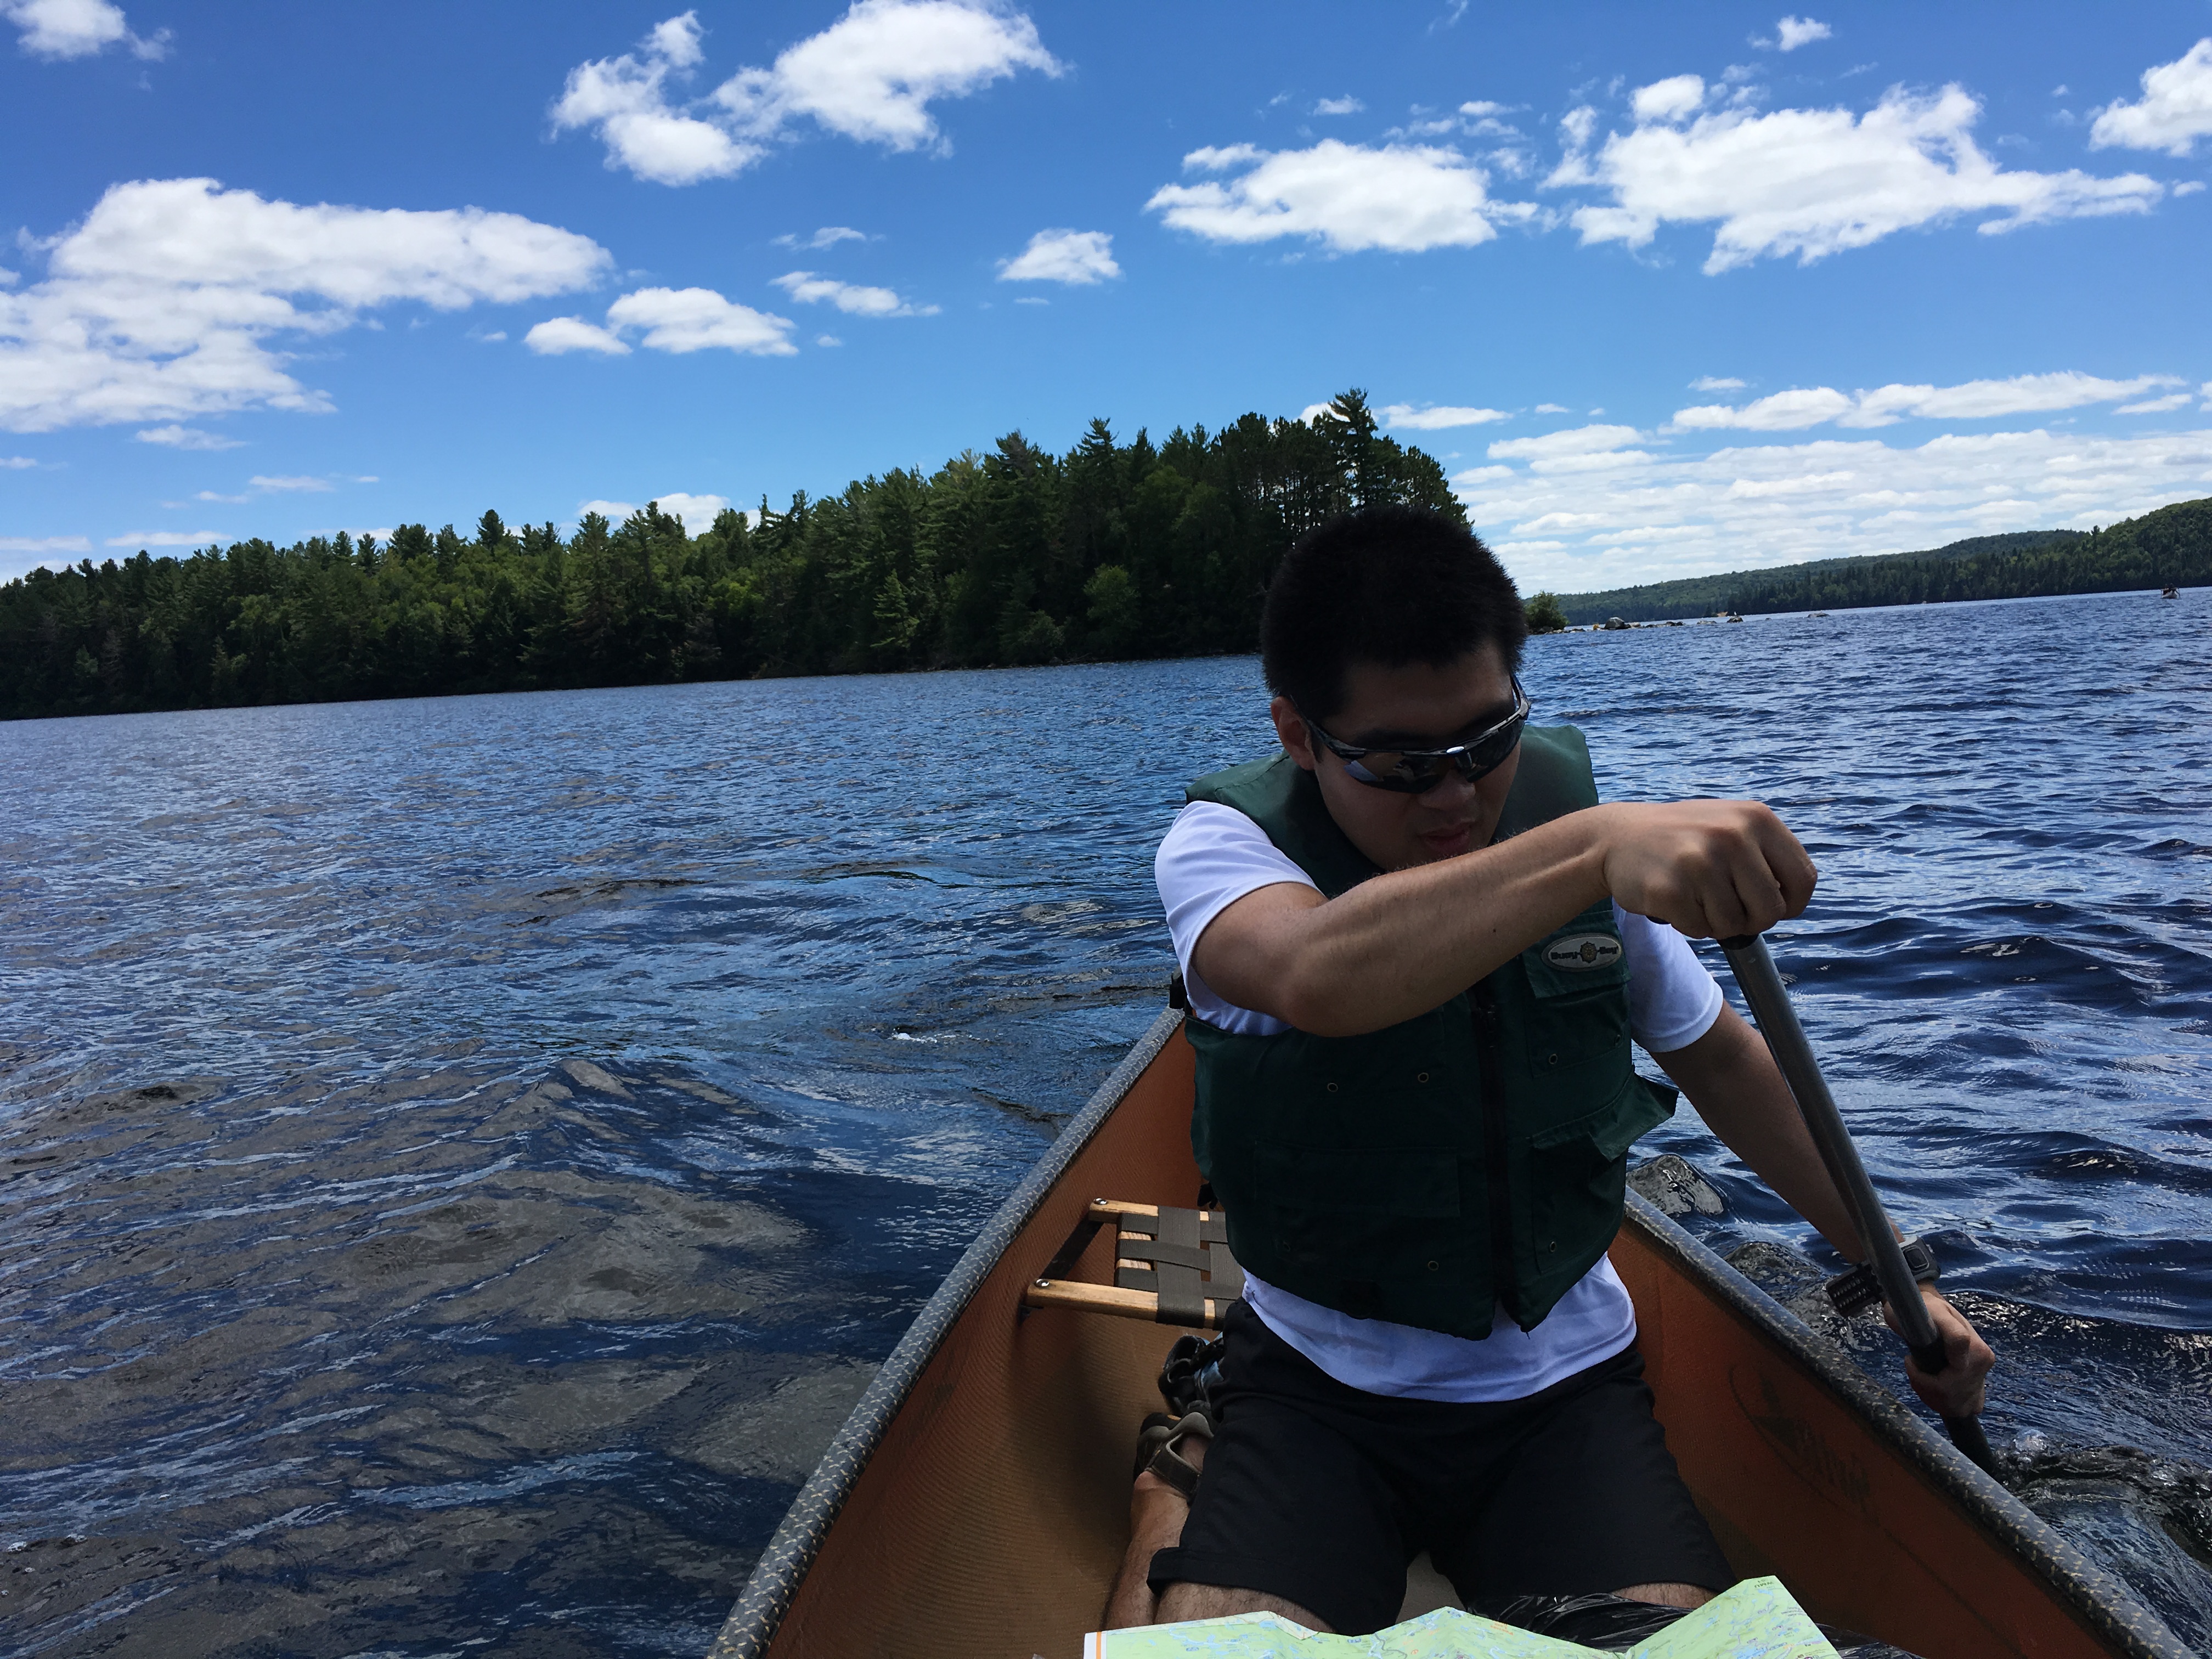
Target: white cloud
(165, 300)
(828, 340)
(1074, 257)
(1814, 182)
(185, 437)
(2188, 187)
(828, 236)
(1031, 299)
(870, 76)
(1552, 409)
(1402, 197)
(269, 486)
(682, 320)
(2175, 110)
(1786, 412)
(626, 98)
(16, 462)
(45, 545)
(672, 319)
(1437, 418)
(1744, 507)
(1576, 440)
(697, 511)
(77, 28)
(1971, 400)
(144, 538)
(1668, 100)
(807, 289)
(1577, 449)
(1346, 106)
(1716, 383)
(2171, 401)
(213, 496)
(1791, 33)
(558, 336)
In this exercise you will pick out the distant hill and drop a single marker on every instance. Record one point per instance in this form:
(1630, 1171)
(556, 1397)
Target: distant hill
(2171, 545)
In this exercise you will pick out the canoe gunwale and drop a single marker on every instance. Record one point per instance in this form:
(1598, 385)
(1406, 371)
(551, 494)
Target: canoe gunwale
(2102, 1604)
(767, 1596)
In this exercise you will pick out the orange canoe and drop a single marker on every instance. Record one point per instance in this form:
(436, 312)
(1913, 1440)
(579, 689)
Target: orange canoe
(975, 1503)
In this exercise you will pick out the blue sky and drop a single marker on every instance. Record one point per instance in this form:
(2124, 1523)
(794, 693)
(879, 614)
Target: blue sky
(1668, 289)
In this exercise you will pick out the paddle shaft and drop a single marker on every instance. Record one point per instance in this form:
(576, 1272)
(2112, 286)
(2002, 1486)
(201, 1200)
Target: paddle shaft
(1762, 988)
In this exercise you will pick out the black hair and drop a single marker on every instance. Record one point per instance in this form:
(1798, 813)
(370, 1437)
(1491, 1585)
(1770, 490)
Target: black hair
(1385, 585)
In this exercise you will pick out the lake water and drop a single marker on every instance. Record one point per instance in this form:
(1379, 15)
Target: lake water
(464, 1157)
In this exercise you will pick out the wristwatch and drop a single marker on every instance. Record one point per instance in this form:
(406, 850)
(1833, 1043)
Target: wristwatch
(1851, 1293)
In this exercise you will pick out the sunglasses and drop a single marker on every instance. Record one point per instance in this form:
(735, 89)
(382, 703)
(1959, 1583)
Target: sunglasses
(1417, 771)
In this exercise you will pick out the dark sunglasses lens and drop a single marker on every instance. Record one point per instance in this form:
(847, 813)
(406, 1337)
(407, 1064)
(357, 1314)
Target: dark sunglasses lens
(1490, 753)
(1389, 768)
(1415, 773)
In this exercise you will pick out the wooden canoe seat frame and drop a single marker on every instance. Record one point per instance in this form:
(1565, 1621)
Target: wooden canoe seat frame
(1171, 1267)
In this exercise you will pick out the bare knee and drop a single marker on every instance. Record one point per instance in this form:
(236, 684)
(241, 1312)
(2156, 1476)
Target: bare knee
(1181, 1602)
(1668, 1595)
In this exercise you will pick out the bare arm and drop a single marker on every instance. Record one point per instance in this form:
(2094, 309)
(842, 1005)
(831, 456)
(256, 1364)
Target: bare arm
(1732, 1080)
(1733, 1083)
(1396, 946)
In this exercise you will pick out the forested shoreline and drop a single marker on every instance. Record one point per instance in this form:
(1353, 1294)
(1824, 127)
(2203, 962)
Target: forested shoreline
(1016, 556)
(2172, 546)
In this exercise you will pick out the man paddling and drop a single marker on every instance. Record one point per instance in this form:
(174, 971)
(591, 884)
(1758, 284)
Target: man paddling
(1416, 950)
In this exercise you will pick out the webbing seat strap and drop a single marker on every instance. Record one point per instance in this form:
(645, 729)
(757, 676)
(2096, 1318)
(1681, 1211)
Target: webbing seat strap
(1170, 1266)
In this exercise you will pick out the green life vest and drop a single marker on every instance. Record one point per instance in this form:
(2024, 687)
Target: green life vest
(1473, 1155)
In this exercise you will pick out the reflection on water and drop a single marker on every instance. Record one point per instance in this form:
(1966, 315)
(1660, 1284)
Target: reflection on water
(464, 1157)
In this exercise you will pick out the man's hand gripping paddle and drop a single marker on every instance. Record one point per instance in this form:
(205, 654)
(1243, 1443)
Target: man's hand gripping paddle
(1785, 1039)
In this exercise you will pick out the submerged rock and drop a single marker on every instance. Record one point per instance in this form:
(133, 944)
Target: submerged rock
(1673, 1184)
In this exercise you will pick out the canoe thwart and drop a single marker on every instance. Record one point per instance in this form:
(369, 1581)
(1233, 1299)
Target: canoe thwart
(1170, 1266)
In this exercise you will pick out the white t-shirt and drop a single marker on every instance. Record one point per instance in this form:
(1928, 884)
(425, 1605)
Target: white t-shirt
(1214, 856)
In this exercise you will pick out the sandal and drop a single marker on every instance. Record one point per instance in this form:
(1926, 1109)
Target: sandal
(1187, 1378)
(1156, 1448)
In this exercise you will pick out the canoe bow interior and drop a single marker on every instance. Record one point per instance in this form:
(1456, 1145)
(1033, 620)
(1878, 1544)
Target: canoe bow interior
(975, 1506)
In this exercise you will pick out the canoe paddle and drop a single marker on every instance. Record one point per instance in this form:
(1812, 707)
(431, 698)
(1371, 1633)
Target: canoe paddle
(1762, 989)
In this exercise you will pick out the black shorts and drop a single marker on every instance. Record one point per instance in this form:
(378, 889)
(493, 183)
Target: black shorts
(1321, 1494)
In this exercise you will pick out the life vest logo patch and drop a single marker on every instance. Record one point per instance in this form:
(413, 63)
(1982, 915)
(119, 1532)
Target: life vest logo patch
(1583, 952)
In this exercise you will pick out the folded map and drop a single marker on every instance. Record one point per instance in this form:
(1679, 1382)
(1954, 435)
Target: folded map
(1756, 1619)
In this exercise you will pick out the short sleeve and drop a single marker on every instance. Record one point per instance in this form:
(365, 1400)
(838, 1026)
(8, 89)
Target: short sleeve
(1212, 856)
(1672, 999)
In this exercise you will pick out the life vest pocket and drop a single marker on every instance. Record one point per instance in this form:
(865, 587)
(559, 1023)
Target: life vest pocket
(1584, 956)
(1577, 1173)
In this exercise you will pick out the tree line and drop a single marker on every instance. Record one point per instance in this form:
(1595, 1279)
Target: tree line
(1014, 557)
(2172, 546)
